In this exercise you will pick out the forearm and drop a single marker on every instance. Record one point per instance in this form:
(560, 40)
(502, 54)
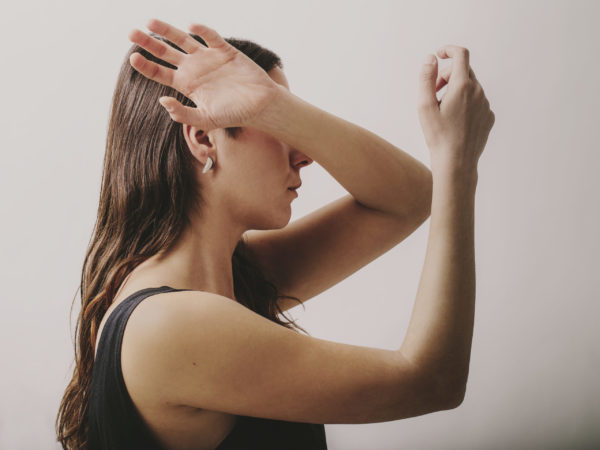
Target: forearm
(440, 331)
(376, 173)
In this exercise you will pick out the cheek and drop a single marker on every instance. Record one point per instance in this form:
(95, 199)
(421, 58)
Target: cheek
(258, 171)
(253, 186)
(268, 172)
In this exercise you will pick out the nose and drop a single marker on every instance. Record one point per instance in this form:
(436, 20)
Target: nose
(300, 159)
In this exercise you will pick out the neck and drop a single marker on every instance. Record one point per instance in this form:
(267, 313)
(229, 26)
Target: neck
(200, 259)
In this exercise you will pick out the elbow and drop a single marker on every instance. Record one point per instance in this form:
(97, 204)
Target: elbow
(420, 202)
(427, 195)
(425, 212)
(423, 206)
(454, 398)
(451, 392)
(422, 210)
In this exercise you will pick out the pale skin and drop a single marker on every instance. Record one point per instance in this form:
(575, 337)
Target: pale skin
(278, 373)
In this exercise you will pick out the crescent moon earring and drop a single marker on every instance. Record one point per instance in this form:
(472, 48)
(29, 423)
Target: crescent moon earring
(208, 165)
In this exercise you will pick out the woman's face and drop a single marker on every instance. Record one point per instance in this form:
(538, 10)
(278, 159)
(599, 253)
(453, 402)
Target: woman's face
(253, 174)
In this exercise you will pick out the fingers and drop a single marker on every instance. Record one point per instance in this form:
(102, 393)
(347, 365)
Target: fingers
(157, 47)
(180, 38)
(472, 75)
(460, 63)
(181, 113)
(210, 36)
(443, 78)
(152, 70)
(427, 78)
(445, 74)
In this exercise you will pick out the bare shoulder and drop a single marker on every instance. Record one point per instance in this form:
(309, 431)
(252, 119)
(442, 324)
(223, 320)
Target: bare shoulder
(207, 351)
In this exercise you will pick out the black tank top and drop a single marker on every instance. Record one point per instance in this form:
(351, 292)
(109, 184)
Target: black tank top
(115, 424)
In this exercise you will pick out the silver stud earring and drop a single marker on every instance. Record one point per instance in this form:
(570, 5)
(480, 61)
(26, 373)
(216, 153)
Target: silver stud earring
(208, 165)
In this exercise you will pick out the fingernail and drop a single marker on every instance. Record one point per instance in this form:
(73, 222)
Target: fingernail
(429, 59)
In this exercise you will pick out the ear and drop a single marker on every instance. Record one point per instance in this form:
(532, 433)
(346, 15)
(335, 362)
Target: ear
(199, 143)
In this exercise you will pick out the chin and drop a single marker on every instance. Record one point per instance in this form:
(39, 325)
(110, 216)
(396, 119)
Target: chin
(282, 222)
(274, 220)
(282, 218)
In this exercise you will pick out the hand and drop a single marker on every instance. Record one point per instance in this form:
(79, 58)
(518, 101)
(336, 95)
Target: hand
(228, 88)
(457, 126)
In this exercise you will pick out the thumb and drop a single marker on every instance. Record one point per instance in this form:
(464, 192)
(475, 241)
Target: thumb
(180, 113)
(428, 78)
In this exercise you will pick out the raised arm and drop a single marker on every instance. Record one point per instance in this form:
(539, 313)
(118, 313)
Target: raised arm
(376, 173)
(456, 129)
(225, 357)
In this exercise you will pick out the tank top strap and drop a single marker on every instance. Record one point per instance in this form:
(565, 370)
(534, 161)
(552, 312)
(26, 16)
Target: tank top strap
(112, 417)
(114, 327)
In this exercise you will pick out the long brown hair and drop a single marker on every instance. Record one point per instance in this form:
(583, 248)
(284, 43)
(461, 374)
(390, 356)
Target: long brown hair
(147, 193)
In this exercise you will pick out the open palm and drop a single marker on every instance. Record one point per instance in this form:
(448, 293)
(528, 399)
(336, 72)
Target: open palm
(228, 88)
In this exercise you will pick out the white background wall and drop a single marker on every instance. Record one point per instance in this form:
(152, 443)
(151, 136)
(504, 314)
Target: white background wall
(535, 351)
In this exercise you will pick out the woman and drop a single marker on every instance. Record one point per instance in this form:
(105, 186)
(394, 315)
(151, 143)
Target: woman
(193, 253)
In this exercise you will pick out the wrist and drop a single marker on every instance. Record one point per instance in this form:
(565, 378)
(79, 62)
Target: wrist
(454, 171)
(456, 178)
(272, 111)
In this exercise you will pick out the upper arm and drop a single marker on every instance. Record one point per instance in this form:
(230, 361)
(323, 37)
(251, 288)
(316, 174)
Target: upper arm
(208, 351)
